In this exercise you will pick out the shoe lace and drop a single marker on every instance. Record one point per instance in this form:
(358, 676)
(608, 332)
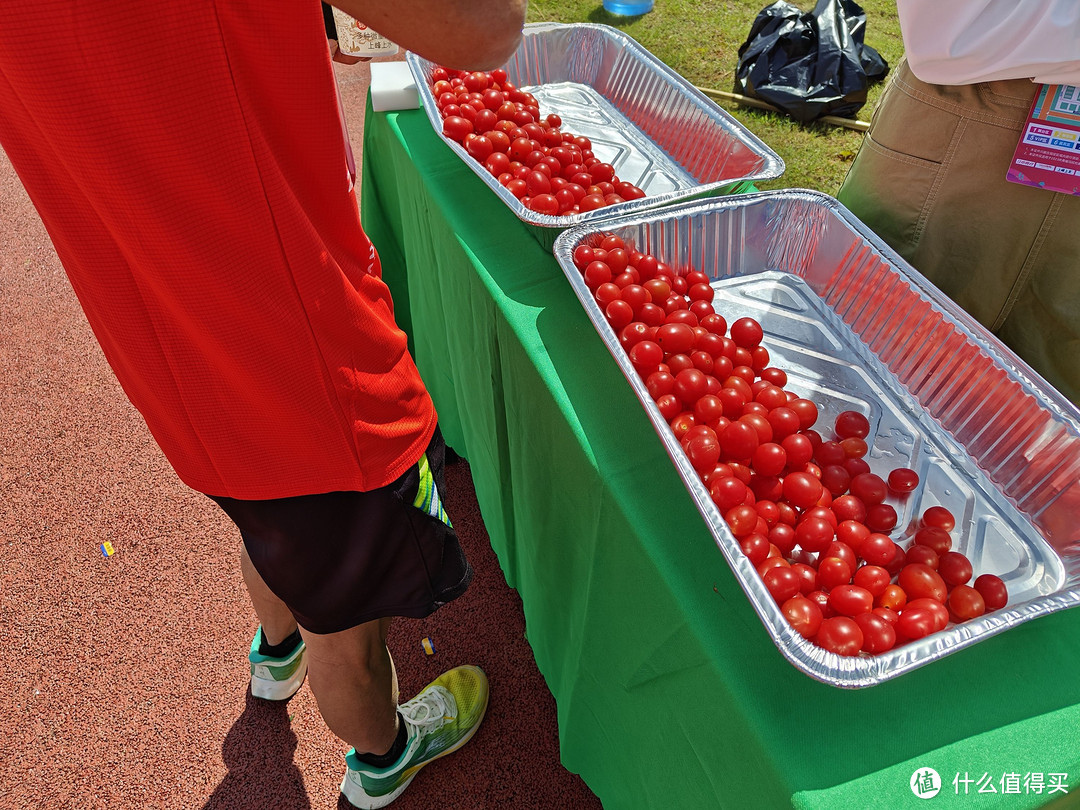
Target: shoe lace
(430, 711)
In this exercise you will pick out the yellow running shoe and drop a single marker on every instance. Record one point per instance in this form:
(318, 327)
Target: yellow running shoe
(439, 720)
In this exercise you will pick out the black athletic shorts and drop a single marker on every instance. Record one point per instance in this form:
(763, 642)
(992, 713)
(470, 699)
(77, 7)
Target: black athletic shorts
(340, 559)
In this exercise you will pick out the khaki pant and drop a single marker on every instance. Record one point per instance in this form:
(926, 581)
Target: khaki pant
(929, 179)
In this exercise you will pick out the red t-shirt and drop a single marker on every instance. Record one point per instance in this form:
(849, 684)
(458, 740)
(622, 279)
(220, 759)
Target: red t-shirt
(189, 163)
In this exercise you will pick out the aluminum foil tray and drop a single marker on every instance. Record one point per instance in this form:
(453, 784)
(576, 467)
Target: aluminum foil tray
(856, 328)
(655, 128)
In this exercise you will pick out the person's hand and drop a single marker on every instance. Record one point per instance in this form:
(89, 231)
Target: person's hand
(344, 58)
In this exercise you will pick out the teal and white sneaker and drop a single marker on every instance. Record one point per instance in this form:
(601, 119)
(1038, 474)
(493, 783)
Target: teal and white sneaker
(439, 720)
(276, 678)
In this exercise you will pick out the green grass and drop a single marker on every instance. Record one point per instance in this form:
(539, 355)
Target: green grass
(700, 40)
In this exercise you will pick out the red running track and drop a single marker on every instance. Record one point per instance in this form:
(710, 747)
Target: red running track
(125, 677)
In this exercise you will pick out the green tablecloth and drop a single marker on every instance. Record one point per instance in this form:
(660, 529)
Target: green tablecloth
(670, 692)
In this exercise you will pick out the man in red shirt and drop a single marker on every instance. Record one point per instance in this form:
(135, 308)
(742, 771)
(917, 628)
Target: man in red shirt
(206, 220)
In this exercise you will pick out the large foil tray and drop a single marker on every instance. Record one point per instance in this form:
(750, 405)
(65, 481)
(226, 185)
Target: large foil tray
(856, 328)
(654, 127)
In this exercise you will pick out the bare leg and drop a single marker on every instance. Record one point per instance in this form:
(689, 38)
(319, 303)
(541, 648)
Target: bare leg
(355, 684)
(351, 673)
(276, 619)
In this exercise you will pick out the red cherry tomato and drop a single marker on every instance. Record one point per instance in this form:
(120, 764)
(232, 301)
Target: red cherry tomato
(878, 549)
(936, 608)
(841, 635)
(782, 582)
(881, 517)
(868, 488)
(832, 572)
(954, 568)
(802, 489)
(940, 517)
(893, 598)
(993, 591)
(873, 578)
(769, 459)
(850, 600)
(915, 623)
(755, 546)
(935, 537)
(852, 424)
(806, 410)
(803, 615)
(921, 581)
(902, 480)
(965, 603)
(746, 332)
(923, 555)
(878, 633)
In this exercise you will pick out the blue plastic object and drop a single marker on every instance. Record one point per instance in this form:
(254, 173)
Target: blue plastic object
(628, 9)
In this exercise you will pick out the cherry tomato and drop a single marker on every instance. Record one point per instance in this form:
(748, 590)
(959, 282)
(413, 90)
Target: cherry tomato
(869, 488)
(703, 452)
(597, 273)
(782, 582)
(954, 568)
(903, 480)
(739, 440)
(841, 635)
(456, 128)
(799, 449)
(935, 537)
(940, 517)
(727, 493)
(852, 424)
(802, 489)
(881, 517)
(814, 534)
(923, 555)
(806, 410)
(690, 385)
(835, 479)
(893, 598)
(646, 356)
(741, 519)
(848, 507)
(833, 572)
(619, 314)
(850, 600)
(915, 623)
(993, 591)
(878, 549)
(803, 615)
(965, 603)
(921, 581)
(829, 454)
(807, 573)
(878, 633)
(746, 332)
(769, 458)
(873, 578)
(936, 608)
(851, 532)
(755, 546)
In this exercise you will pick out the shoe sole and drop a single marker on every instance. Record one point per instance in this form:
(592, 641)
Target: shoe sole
(269, 689)
(364, 801)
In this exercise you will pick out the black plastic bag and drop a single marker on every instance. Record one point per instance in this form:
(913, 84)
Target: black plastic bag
(809, 64)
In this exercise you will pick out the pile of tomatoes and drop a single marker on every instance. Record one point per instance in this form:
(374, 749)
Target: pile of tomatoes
(550, 171)
(805, 507)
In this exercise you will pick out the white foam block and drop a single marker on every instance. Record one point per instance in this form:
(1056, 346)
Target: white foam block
(393, 87)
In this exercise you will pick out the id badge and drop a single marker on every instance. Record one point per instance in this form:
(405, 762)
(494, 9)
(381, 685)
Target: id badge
(1048, 154)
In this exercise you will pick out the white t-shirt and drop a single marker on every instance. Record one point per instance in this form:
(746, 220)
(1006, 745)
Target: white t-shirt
(968, 41)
